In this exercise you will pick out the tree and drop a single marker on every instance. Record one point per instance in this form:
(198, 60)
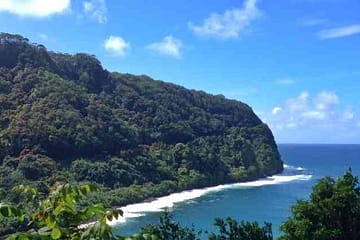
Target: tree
(332, 213)
(60, 215)
(230, 229)
(168, 230)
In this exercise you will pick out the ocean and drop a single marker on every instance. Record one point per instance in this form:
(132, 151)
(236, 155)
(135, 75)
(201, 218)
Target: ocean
(263, 200)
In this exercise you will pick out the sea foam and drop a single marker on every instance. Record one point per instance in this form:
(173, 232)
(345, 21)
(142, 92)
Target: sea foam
(159, 204)
(290, 167)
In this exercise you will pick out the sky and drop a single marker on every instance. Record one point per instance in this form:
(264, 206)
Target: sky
(295, 62)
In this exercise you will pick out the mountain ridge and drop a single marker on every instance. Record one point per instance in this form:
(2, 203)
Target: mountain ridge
(65, 118)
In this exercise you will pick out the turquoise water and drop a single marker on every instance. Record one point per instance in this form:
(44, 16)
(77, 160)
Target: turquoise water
(306, 164)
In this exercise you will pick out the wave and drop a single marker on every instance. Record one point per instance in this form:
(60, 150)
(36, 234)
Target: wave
(159, 204)
(290, 167)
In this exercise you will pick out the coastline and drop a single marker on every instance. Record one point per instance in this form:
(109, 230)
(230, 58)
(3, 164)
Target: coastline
(169, 201)
(158, 204)
(165, 202)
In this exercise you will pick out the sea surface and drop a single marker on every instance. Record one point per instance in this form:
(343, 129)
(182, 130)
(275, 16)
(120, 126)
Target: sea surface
(263, 200)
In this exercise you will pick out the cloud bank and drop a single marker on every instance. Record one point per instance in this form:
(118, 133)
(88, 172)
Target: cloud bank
(313, 118)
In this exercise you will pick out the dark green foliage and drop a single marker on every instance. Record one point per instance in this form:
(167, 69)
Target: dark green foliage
(230, 229)
(58, 107)
(35, 166)
(331, 213)
(16, 51)
(114, 172)
(63, 118)
(167, 229)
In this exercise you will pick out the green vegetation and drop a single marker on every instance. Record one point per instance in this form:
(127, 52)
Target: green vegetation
(63, 118)
(59, 215)
(332, 213)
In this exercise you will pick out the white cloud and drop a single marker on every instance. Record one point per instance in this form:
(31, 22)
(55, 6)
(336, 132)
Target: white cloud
(325, 100)
(276, 110)
(313, 118)
(311, 22)
(348, 114)
(299, 103)
(285, 81)
(169, 46)
(339, 32)
(303, 111)
(116, 45)
(34, 8)
(319, 108)
(96, 10)
(313, 114)
(230, 24)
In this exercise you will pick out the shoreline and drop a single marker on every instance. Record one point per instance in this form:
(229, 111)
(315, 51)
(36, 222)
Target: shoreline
(159, 204)
(168, 201)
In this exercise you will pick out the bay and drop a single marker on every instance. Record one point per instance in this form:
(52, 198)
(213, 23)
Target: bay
(261, 201)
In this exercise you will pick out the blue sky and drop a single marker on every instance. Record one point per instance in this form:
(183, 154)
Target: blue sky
(295, 62)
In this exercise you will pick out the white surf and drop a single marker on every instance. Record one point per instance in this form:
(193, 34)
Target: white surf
(159, 204)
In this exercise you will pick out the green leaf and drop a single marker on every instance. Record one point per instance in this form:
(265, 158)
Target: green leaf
(58, 209)
(21, 217)
(55, 233)
(154, 237)
(109, 217)
(5, 211)
(50, 222)
(23, 237)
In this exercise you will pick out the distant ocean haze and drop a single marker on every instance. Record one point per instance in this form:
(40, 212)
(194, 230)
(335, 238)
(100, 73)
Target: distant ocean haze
(267, 199)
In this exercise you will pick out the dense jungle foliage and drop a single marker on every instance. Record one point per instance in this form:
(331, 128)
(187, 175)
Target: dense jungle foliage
(63, 118)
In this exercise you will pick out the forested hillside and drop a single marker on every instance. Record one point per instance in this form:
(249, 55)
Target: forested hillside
(63, 118)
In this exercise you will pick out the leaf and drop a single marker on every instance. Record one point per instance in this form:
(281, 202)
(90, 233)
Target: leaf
(86, 188)
(154, 237)
(109, 217)
(146, 236)
(5, 211)
(55, 233)
(58, 209)
(23, 237)
(21, 217)
(9, 211)
(94, 210)
(50, 222)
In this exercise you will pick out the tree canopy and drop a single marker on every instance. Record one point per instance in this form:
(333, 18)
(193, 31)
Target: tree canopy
(63, 114)
(331, 213)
